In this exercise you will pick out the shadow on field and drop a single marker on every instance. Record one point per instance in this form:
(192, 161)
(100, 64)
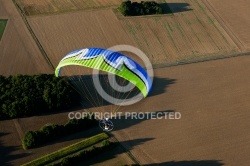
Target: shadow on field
(113, 152)
(176, 7)
(127, 121)
(188, 163)
(91, 98)
(75, 136)
(159, 85)
(84, 85)
(6, 152)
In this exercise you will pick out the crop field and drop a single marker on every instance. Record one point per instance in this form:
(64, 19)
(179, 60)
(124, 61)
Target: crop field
(87, 29)
(234, 16)
(32, 7)
(212, 98)
(190, 34)
(213, 129)
(19, 53)
(3, 12)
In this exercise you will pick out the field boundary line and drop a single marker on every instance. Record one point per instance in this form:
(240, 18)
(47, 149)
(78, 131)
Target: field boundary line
(69, 11)
(4, 29)
(223, 24)
(68, 150)
(130, 155)
(114, 139)
(198, 60)
(33, 35)
(18, 128)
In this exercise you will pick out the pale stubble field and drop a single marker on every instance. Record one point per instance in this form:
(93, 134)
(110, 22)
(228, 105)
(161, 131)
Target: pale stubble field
(188, 35)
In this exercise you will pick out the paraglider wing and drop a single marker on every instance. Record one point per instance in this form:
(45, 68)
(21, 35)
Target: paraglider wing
(111, 62)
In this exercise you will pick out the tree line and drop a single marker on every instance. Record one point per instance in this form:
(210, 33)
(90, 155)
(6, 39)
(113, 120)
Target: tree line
(26, 95)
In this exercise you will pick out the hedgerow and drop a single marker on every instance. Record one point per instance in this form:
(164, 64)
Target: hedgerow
(52, 132)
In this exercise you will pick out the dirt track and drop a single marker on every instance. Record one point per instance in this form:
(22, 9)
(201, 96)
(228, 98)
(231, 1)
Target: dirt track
(19, 53)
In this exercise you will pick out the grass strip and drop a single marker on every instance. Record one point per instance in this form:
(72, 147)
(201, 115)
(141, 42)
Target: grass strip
(67, 150)
(3, 23)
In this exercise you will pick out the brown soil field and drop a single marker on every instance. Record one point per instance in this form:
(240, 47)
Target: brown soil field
(66, 34)
(113, 157)
(212, 98)
(234, 16)
(190, 34)
(3, 12)
(19, 53)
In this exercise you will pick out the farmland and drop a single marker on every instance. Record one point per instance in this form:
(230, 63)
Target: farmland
(17, 48)
(190, 34)
(12, 132)
(234, 16)
(213, 126)
(55, 6)
(212, 97)
(213, 129)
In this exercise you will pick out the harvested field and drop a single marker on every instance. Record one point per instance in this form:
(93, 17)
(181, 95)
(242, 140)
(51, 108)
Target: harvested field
(19, 53)
(234, 17)
(3, 12)
(66, 34)
(191, 34)
(112, 157)
(212, 98)
(31, 7)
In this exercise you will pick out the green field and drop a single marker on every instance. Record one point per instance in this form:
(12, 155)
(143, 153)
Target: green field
(3, 23)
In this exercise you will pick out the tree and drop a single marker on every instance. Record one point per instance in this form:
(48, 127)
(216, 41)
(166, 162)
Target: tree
(30, 139)
(125, 8)
(144, 8)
